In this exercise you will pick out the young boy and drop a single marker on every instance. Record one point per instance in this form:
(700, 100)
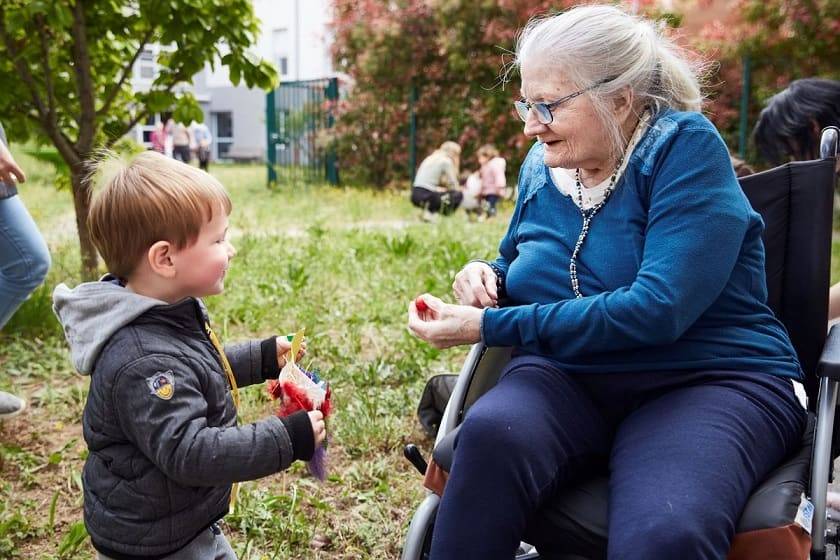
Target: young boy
(160, 419)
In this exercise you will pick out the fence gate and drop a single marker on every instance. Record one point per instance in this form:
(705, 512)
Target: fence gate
(297, 117)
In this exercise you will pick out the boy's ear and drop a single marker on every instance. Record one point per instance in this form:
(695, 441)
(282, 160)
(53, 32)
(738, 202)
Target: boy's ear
(160, 259)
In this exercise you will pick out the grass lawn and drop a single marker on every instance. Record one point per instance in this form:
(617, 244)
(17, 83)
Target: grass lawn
(342, 263)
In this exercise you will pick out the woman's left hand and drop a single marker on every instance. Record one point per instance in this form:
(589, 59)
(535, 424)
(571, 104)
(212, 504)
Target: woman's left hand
(284, 345)
(443, 325)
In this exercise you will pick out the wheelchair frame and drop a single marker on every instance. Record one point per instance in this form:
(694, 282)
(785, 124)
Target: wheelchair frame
(483, 365)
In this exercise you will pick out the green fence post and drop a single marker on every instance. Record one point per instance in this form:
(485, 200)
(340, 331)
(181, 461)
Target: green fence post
(745, 106)
(412, 133)
(271, 138)
(331, 158)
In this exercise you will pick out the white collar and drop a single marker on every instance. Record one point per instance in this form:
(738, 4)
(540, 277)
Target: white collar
(564, 179)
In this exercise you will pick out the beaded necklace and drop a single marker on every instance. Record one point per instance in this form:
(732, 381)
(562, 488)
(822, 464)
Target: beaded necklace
(587, 214)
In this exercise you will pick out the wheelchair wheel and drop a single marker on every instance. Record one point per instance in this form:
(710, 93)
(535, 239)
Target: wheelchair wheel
(418, 539)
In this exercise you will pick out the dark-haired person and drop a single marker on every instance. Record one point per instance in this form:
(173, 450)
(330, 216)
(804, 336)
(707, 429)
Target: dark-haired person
(789, 126)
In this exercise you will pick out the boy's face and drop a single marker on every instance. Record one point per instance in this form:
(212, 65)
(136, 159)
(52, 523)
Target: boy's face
(201, 267)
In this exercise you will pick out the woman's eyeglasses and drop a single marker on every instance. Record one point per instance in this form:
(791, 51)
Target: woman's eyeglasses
(545, 110)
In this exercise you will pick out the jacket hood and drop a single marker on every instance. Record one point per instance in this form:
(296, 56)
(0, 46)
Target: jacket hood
(92, 312)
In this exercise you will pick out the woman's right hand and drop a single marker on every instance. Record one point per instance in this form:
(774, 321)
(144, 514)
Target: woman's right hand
(475, 285)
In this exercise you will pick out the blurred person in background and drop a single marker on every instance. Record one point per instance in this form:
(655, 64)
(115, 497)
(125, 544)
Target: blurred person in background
(435, 188)
(24, 258)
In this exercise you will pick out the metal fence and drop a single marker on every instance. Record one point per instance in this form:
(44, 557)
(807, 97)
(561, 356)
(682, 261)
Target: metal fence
(298, 115)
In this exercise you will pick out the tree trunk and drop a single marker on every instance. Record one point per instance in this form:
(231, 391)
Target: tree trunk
(81, 202)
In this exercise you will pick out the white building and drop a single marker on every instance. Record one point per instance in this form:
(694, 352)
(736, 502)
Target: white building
(294, 37)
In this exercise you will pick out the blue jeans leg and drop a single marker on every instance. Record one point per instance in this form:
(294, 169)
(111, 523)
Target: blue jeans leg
(24, 258)
(521, 441)
(684, 464)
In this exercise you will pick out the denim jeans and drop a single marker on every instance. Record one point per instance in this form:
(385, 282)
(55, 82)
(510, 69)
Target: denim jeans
(24, 259)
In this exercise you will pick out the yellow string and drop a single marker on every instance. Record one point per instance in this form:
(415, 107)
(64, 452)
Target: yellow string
(234, 390)
(225, 364)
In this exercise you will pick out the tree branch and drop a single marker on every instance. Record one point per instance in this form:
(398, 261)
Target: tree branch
(177, 79)
(22, 68)
(126, 72)
(84, 80)
(62, 143)
(45, 60)
(48, 124)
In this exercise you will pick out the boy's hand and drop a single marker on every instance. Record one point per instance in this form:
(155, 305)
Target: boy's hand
(319, 429)
(283, 347)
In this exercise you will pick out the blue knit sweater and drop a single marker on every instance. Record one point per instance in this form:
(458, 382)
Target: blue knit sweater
(672, 271)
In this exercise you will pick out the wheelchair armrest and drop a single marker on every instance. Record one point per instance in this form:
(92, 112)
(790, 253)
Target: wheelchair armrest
(829, 364)
(445, 450)
(452, 413)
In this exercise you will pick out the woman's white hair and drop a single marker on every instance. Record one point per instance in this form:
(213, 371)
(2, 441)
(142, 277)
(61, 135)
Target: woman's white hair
(594, 44)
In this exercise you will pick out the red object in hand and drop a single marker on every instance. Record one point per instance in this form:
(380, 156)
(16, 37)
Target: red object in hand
(293, 399)
(420, 304)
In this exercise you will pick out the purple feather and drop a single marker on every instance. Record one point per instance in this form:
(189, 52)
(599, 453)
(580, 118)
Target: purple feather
(318, 464)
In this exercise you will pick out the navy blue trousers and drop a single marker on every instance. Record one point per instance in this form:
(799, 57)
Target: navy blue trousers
(684, 451)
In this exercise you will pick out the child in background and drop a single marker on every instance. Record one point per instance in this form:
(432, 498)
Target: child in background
(493, 181)
(160, 420)
(471, 187)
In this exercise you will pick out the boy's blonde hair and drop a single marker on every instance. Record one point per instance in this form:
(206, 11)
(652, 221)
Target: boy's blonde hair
(140, 200)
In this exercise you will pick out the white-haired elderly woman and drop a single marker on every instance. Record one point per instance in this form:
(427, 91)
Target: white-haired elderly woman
(635, 299)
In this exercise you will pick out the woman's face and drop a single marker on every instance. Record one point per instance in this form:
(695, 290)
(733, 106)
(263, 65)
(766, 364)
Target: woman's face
(576, 137)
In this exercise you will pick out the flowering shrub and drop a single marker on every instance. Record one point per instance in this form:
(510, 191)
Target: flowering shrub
(785, 40)
(452, 52)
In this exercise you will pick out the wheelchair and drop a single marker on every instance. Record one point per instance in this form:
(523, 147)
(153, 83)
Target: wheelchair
(796, 202)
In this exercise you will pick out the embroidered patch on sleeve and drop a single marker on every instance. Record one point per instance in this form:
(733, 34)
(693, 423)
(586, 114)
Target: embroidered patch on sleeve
(162, 384)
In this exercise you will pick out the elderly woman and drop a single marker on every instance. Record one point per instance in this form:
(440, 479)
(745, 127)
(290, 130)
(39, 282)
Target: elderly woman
(633, 293)
(436, 183)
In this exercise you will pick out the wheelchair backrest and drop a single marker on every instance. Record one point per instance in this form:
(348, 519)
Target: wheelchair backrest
(796, 201)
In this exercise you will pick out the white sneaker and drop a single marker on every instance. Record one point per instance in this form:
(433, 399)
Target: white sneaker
(10, 405)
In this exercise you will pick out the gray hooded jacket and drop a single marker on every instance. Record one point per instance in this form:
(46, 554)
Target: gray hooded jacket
(160, 422)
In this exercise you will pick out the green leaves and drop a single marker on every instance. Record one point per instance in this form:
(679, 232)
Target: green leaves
(190, 32)
(187, 109)
(451, 52)
(785, 40)
(75, 537)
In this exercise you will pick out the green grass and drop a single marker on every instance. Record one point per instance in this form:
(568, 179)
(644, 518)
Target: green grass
(344, 263)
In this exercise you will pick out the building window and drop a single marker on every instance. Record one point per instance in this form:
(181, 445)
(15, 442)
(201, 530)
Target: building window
(222, 123)
(146, 64)
(281, 47)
